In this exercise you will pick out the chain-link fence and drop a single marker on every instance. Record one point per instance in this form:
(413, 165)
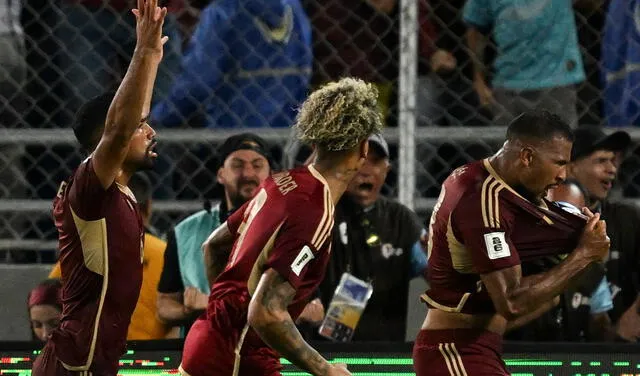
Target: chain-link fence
(247, 64)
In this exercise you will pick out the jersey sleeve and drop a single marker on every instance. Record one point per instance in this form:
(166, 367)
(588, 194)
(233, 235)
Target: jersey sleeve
(483, 224)
(298, 242)
(235, 220)
(87, 193)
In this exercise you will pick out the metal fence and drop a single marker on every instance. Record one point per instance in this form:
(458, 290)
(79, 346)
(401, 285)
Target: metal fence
(222, 73)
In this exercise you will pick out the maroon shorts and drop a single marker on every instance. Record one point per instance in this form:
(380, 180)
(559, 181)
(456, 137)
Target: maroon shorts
(48, 364)
(458, 352)
(208, 352)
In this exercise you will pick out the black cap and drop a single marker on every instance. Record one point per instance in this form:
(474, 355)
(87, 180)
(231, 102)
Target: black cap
(588, 139)
(380, 143)
(244, 141)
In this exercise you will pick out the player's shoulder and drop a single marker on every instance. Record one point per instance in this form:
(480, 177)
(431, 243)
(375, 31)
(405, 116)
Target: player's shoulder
(300, 189)
(469, 179)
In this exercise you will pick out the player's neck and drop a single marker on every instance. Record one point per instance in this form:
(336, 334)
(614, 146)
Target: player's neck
(123, 177)
(337, 178)
(504, 169)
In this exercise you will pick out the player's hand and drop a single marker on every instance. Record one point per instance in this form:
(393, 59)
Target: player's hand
(594, 242)
(338, 369)
(194, 299)
(149, 21)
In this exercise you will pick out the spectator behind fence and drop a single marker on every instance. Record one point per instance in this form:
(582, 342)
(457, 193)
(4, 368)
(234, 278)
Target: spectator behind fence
(581, 314)
(97, 39)
(45, 308)
(183, 289)
(620, 54)
(593, 165)
(248, 65)
(13, 73)
(538, 61)
(145, 324)
(359, 38)
(373, 240)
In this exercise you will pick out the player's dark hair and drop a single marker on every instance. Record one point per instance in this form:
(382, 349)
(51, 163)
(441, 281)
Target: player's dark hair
(140, 185)
(538, 126)
(90, 119)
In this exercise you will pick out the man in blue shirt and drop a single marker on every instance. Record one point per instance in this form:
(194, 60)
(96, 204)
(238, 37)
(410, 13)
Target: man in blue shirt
(538, 59)
(248, 65)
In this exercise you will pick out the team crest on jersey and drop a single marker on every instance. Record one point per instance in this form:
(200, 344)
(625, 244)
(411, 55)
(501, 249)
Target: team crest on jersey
(497, 246)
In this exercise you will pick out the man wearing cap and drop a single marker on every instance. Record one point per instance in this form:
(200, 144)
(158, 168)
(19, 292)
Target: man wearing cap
(593, 164)
(183, 290)
(373, 240)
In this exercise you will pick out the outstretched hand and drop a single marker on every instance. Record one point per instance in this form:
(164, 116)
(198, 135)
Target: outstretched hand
(149, 21)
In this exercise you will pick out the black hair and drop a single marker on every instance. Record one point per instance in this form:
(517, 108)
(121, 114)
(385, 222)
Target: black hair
(538, 126)
(90, 120)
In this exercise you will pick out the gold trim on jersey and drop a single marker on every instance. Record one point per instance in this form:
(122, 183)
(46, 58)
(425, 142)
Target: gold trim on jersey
(182, 371)
(95, 251)
(257, 269)
(460, 257)
(427, 299)
(236, 363)
(326, 224)
(127, 191)
(493, 173)
(490, 201)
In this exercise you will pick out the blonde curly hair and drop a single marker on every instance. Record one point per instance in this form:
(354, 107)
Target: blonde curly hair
(339, 115)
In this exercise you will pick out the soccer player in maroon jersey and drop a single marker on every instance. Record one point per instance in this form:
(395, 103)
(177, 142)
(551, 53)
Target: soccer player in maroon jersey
(99, 225)
(281, 244)
(490, 216)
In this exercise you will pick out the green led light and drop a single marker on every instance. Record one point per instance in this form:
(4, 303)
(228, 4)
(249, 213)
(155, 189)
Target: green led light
(129, 352)
(166, 359)
(594, 364)
(366, 374)
(621, 364)
(367, 361)
(533, 363)
(576, 364)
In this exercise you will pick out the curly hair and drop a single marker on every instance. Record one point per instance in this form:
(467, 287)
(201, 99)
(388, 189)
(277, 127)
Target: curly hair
(339, 115)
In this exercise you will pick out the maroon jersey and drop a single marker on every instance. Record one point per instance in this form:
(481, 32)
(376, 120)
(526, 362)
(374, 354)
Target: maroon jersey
(286, 227)
(101, 240)
(479, 225)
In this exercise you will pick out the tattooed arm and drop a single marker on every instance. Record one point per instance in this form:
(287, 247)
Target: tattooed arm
(269, 317)
(216, 251)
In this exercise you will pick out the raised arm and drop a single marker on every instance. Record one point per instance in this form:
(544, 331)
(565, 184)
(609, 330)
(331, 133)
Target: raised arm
(269, 317)
(515, 296)
(131, 103)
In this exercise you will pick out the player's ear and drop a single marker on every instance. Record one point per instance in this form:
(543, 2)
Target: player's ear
(526, 156)
(220, 176)
(364, 148)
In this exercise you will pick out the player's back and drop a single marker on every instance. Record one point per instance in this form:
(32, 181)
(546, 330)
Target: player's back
(100, 239)
(286, 226)
(479, 225)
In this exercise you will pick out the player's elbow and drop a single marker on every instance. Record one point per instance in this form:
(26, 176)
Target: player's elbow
(509, 309)
(260, 317)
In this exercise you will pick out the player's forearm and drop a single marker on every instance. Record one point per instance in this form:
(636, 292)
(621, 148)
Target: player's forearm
(281, 334)
(133, 96)
(172, 312)
(534, 291)
(216, 250)
(215, 260)
(477, 42)
(525, 319)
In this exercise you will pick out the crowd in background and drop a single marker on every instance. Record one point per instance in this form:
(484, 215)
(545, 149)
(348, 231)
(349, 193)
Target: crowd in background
(238, 64)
